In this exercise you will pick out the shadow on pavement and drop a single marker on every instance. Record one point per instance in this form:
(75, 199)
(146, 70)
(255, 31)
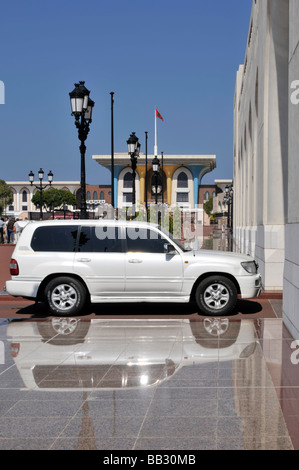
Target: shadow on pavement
(244, 307)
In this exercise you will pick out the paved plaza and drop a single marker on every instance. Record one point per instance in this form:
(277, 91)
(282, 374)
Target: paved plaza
(147, 377)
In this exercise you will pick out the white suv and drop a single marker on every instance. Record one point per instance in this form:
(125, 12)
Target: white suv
(68, 263)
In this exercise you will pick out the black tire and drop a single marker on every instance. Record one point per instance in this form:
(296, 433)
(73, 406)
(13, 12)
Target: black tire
(216, 295)
(65, 296)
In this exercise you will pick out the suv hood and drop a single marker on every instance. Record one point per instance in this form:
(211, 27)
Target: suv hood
(223, 254)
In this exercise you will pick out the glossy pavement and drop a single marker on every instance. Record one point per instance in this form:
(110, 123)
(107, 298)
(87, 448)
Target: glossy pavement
(146, 383)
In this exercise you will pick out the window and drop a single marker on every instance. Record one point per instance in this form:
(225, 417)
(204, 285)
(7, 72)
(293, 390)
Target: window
(24, 208)
(182, 197)
(207, 195)
(128, 180)
(88, 195)
(102, 196)
(144, 241)
(24, 196)
(183, 188)
(100, 240)
(95, 196)
(128, 197)
(182, 180)
(57, 238)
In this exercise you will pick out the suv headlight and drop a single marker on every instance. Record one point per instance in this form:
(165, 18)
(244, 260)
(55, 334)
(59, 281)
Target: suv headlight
(250, 267)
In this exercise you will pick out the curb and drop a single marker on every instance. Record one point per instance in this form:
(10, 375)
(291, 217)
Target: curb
(271, 295)
(11, 298)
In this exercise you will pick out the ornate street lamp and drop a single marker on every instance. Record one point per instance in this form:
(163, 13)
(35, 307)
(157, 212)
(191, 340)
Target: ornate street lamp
(133, 150)
(40, 186)
(156, 187)
(228, 199)
(82, 107)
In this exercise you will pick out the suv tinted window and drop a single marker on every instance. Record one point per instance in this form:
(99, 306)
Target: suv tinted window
(144, 241)
(100, 240)
(56, 238)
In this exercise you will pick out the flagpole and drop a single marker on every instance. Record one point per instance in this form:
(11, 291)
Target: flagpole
(156, 147)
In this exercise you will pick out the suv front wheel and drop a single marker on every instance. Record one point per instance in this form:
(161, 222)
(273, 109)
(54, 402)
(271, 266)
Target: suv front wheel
(216, 295)
(65, 296)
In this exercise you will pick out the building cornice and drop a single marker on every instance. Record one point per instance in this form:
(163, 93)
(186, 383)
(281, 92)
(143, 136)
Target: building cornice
(123, 159)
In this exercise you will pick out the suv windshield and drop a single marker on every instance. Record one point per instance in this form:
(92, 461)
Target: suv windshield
(176, 241)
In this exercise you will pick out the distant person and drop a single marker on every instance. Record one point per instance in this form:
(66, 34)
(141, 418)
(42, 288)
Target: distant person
(2, 230)
(17, 230)
(9, 228)
(5, 229)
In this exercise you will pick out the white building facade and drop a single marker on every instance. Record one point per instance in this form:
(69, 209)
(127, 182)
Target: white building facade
(266, 143)
(23, 193)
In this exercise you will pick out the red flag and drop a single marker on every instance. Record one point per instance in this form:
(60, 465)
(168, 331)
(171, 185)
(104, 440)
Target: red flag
(158, 115)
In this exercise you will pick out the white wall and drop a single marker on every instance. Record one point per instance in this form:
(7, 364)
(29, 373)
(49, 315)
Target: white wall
(261, 141)
(291, 273)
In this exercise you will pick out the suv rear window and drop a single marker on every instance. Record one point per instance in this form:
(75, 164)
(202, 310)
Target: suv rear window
(56, 238)
(100, 240)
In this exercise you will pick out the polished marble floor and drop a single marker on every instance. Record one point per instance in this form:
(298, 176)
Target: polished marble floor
(148, 384)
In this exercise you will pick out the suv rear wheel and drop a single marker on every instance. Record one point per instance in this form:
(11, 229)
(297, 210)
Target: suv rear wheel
(216, 295)
(65, 296)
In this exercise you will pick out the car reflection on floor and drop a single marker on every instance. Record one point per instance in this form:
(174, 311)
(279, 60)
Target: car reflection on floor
(70, 354)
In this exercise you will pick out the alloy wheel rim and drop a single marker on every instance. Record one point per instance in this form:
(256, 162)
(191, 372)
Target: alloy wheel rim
(216, 296)
(64, 297)
(216, 326)
(64, 326)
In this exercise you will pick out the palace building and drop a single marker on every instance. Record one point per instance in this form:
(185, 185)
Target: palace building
(178, 185)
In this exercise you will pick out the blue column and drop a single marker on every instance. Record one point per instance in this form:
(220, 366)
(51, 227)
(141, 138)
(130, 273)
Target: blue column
(117, 170)
(196, 170)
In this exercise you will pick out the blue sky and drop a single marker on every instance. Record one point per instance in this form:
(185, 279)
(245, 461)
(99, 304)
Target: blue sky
(178, 56)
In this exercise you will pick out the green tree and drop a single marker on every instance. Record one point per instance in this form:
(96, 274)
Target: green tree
(6, 195)
(177, 223)
(208, 206)
(54, 199)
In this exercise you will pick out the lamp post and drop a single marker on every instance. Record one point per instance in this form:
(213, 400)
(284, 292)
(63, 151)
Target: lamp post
(40, 186)
(162, 159)
(133, 150)
(228, 199)
(156, 170)
(112, 148)
(145, 198)
(82, 107)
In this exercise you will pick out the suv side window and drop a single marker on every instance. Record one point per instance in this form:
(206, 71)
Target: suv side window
(100, 240)
(144, 241)
(56, 238)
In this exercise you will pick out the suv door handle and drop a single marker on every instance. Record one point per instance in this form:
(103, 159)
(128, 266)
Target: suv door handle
(135, 260)
(84, 260)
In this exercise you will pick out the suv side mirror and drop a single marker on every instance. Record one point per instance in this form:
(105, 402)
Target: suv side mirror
(169, 249)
